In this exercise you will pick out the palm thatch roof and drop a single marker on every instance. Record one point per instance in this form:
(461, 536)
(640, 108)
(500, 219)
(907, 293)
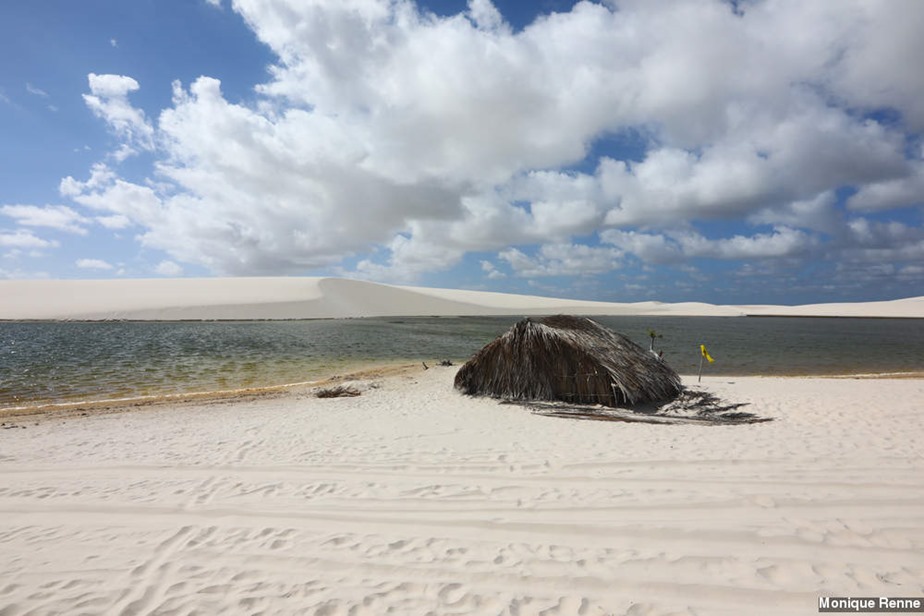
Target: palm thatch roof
(567, 358)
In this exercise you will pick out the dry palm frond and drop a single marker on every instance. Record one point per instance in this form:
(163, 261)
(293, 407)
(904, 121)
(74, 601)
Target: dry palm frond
(692, 406)
(567, 358)
(339, 391)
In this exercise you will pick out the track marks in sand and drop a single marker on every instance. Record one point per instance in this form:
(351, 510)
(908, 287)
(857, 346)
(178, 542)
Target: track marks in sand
(238, 565)
(240, 569)
(148, 581)
(253, 515)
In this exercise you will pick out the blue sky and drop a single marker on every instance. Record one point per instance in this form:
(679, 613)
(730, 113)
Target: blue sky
(749, 152)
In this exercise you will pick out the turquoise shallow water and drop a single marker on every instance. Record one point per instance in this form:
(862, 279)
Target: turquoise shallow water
(61, 362)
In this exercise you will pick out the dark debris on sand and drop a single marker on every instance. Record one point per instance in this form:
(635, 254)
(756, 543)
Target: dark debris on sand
(340, 391)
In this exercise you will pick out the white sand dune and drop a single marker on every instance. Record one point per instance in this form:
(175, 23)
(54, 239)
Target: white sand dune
(412, 499)
(912, 307)
(311, 298)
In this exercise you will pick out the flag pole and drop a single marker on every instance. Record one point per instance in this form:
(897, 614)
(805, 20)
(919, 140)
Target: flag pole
(703, 354)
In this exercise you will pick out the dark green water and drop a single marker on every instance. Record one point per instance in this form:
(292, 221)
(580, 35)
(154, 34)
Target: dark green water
(58, 362)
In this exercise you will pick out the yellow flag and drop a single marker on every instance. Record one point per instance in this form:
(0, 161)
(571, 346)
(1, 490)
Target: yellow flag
(705, 353)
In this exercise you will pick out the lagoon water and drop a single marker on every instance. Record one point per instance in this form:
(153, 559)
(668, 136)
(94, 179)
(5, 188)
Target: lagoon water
(67, 361)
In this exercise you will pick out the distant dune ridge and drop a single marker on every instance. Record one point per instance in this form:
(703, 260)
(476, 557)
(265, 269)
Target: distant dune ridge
(170, 299)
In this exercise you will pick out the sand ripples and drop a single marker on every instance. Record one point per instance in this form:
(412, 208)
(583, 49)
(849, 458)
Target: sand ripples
(411, 500)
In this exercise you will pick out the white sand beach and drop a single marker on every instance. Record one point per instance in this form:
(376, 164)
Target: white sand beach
(169, 299)
(414, 499)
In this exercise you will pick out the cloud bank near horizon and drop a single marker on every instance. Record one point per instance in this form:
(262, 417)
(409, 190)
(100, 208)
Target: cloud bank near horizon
(389, 142)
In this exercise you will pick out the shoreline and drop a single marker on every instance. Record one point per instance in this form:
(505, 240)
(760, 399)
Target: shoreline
(106, 405)
(360, 372)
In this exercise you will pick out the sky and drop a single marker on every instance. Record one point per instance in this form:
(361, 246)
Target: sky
(731, 152)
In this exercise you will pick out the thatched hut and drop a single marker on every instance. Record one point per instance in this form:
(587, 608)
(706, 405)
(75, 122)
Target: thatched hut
(567, 358)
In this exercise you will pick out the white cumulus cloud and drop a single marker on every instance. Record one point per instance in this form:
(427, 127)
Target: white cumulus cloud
(24, 240)
(677, 246)
(169, 268)
(108, 99)
(58, 217)
(402, 141)
(97, 264)
(562, 260)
